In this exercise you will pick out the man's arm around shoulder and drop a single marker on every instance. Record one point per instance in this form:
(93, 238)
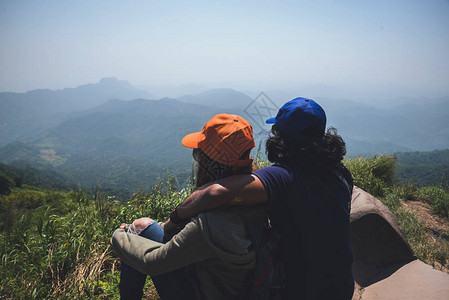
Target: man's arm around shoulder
(233, 190)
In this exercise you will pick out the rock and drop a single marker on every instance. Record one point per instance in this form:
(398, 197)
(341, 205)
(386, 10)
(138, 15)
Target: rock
(384, 266)
(413, 281)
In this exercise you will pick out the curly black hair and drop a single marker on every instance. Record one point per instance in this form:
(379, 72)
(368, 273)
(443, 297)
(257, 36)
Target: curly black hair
(327, 151)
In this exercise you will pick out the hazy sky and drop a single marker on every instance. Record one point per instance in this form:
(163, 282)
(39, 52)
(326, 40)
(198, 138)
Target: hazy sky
(355, 47)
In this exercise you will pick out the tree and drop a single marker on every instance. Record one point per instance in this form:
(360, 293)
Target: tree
(6, 184)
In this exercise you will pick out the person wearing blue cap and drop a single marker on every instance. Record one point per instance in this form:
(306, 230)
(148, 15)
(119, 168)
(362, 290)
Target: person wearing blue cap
(309, 194)
(300, 119)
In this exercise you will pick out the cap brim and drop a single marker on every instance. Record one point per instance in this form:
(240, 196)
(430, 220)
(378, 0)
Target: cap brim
(192, 140)
(271, 121)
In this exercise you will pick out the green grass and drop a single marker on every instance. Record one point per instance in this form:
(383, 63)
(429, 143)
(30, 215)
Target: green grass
(52, 253)
(55, 245)
(437, 198)
(375, 175)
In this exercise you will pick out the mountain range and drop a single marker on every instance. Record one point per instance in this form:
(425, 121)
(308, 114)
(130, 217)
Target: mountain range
(28, 113)
(111, 133)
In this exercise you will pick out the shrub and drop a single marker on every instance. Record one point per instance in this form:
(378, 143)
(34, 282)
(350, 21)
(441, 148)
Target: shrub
(392, 202)
(6, 184)
(437, 198)
(406, 191)
(373, 175)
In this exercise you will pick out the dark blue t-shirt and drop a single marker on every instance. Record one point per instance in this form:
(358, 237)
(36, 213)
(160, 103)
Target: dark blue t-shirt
(311, 211)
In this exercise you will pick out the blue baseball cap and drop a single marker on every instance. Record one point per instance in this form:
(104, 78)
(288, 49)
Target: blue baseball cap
(300, 119)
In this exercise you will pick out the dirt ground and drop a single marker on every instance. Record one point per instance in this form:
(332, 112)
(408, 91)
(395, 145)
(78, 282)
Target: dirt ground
(431, 222)
(436, 227)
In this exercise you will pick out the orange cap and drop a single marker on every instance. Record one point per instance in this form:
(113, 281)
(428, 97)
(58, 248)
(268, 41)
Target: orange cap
(224, 139)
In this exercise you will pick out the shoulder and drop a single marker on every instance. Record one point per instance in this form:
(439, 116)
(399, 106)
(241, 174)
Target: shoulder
(274, 173)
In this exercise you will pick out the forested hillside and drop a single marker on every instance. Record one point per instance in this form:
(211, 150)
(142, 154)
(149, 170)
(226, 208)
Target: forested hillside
(109, 133)
(424, 168)
(125, 145)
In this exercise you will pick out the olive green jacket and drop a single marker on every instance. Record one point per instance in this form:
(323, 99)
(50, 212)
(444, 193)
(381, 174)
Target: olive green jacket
(214, 245)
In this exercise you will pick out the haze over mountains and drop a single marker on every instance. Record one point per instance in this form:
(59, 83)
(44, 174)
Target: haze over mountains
(115, 134)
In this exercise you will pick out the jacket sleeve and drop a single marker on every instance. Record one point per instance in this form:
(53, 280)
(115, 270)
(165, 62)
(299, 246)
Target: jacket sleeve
(149, 257)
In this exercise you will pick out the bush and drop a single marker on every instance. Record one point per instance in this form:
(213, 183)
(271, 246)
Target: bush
(392, 202)
(437, 198)
(406, 191)
(27, 199)
(6, 184)
(374, 175)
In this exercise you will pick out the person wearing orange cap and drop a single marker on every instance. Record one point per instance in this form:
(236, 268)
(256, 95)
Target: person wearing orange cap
(212, 248)
(309, 194)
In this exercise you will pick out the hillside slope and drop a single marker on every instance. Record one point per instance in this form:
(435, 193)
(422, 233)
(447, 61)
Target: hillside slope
(120, 144)
(424, 168)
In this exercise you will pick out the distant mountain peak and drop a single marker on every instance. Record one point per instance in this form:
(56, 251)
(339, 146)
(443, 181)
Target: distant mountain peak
(108, 79)
(112, 81)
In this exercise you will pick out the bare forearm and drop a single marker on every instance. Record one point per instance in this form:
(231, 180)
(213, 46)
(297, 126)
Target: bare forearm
(203, 200)
(234, 190)
(193, 197)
